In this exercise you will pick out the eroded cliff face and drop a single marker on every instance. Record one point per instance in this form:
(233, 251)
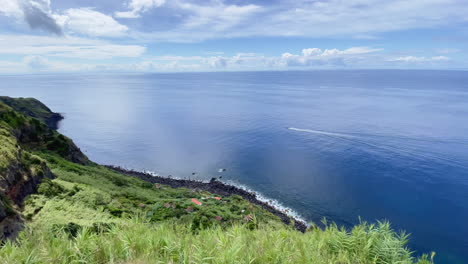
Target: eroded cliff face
(20, 174)
(20, 170)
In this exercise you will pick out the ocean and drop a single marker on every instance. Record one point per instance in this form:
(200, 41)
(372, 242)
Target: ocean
(348, 146)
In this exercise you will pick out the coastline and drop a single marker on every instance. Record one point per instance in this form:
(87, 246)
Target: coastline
(217, 187)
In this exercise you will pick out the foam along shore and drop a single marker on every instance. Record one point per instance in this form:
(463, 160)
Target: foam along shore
(217, 187)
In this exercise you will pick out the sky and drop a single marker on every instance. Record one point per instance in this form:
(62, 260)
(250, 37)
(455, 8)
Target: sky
(44, 36)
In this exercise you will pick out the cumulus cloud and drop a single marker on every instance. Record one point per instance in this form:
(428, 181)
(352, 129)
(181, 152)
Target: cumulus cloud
(36, 62)
(139, 6)
(36, 13)
(308, 58)
(87, 21)
(310, 52)
(83, 21)
(217, 62)
(38, 16)
(10, 8)
(318, 57)
(51, 54)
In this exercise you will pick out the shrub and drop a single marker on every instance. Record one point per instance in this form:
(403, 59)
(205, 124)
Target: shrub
(50, 188)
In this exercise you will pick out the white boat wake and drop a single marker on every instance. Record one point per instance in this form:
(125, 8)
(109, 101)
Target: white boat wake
(402, 148)
(319, 132)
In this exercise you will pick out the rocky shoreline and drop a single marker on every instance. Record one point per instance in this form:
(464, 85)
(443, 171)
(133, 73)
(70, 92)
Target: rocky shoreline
(214, 186)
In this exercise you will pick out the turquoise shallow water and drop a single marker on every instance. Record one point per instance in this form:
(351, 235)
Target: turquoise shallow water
(336, 144)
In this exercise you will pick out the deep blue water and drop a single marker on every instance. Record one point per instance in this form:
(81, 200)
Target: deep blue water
(375, 144)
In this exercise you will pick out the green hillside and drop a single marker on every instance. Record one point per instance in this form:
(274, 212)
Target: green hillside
(56, 206)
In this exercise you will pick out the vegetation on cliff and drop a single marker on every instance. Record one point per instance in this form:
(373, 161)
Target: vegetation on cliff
(86, 213)
(34, 135)
(33, 108)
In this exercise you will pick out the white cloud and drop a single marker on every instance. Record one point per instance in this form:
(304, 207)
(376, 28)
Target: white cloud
(66, 47)
(10, 8)
(363, 19)
(335, 52)
(192, 20)
(84, 21)
(240, 61)
(360, 17)
(360, 50)
(198, 21)
(89, 22)
(36, 62)
(310, 52)
(217, 62)
(50, 56)
(36, 13)
(218, 16)
(415, 59)
(330, 57)
(139, 6)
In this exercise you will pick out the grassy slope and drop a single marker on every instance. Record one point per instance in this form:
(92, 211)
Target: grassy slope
(90, 214)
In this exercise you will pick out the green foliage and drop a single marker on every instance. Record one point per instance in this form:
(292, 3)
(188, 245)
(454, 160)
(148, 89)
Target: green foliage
(136, 241)
(32, 108)
(117, 196)
(73, 229)
(8, 149)
(6, 204)
(100, 216)
(57, 143)
(49, 188)
(33, 134)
